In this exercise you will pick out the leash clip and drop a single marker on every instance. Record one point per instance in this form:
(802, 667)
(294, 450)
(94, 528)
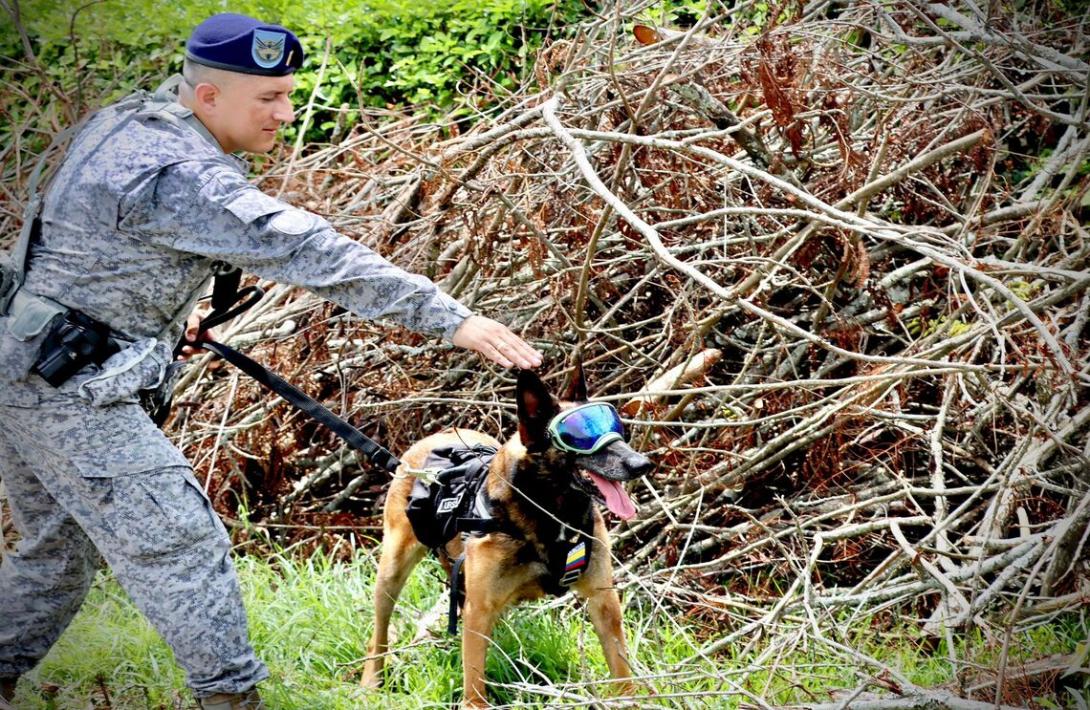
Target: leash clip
(429, 476)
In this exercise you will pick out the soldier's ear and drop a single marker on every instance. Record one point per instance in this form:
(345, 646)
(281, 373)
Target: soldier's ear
(576, 390)
(206, 95)
(535, 408)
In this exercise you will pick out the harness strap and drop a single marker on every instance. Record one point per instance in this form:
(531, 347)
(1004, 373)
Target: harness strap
(164, 104)
(575, 563)
(457, 595)
(13, 264)
(480, 520)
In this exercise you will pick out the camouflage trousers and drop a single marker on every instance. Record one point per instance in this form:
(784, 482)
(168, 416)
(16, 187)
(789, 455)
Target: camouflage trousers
(88, 484)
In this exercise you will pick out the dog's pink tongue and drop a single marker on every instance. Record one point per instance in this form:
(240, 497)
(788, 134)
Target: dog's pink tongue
(617, 499)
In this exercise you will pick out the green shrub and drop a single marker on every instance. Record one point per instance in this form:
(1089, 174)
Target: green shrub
(451, 58)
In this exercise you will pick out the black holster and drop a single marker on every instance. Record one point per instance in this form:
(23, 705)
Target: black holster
(73, 343)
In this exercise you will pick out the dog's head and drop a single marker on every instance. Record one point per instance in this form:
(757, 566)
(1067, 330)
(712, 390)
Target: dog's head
(601, 474)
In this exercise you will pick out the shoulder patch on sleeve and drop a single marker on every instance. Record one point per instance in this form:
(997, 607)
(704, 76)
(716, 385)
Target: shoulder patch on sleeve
(292, 221)
(252, 204)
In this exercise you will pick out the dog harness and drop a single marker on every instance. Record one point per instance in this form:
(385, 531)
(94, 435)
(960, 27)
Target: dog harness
(455, 502)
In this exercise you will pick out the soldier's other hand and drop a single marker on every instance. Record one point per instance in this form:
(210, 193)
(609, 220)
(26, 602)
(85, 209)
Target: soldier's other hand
(191, 331)
(496, 342)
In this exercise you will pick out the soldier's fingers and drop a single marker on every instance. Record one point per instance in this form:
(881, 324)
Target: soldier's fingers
(493, 353)
(518, 350)
(529, 357)
(521, 359)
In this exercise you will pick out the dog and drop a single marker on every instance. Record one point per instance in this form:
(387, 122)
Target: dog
(539, 490)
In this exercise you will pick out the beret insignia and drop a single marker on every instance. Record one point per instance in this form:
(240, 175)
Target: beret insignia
(268, 48)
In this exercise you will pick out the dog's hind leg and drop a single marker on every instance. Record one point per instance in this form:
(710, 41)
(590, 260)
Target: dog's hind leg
(400, 554)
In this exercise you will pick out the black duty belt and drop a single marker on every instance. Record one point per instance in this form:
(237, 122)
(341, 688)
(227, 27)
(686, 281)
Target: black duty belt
(227, 302)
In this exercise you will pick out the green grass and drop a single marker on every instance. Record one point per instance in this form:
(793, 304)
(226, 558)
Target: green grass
(310, 622)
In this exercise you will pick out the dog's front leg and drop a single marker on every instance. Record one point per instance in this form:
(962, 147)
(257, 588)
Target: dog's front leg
(490, 584)
(478, 619)
(604, 607)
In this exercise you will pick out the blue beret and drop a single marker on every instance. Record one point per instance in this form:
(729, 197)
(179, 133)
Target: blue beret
(242, 44)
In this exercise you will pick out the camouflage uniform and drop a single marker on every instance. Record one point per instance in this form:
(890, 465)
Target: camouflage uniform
(140, 211)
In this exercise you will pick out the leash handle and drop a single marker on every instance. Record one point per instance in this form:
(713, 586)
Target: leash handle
(227, 302)
(245, 300)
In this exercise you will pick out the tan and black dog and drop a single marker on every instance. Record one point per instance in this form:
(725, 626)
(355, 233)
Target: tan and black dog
(537, 494)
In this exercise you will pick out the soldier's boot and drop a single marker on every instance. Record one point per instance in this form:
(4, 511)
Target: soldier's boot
(7, 693)
(249, 700)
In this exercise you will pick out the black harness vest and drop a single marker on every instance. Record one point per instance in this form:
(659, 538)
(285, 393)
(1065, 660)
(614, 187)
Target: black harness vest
(456, 503)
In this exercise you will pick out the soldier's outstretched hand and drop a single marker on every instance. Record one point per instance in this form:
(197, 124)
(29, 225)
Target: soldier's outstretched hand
(496, 342)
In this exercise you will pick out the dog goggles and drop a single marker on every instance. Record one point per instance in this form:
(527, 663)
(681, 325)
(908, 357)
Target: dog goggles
(586, 428)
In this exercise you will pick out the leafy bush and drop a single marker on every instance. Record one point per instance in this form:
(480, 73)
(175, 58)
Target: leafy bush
(454, 57)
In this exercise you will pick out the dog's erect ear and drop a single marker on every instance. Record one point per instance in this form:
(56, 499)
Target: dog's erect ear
(577, 384)
(536, 407)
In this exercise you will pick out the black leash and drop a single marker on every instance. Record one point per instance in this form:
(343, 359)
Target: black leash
(225, 296)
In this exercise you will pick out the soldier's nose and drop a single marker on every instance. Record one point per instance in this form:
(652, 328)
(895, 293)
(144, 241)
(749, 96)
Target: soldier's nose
(286, 114)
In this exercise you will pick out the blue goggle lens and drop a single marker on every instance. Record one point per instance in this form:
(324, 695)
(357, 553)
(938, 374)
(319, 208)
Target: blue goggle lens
(583, 428)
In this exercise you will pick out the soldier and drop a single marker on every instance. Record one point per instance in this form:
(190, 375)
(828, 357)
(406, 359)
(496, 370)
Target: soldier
(148, 201)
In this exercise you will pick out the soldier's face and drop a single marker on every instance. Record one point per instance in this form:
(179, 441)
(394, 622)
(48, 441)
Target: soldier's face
(252, 110)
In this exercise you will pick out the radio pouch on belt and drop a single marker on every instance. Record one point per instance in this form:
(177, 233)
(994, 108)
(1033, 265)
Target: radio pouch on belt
(75, 342)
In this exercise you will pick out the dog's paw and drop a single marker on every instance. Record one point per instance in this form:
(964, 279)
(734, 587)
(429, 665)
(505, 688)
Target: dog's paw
(626, 693)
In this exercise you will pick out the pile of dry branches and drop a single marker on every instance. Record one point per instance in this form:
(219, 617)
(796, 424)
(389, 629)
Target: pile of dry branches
(834, 272)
